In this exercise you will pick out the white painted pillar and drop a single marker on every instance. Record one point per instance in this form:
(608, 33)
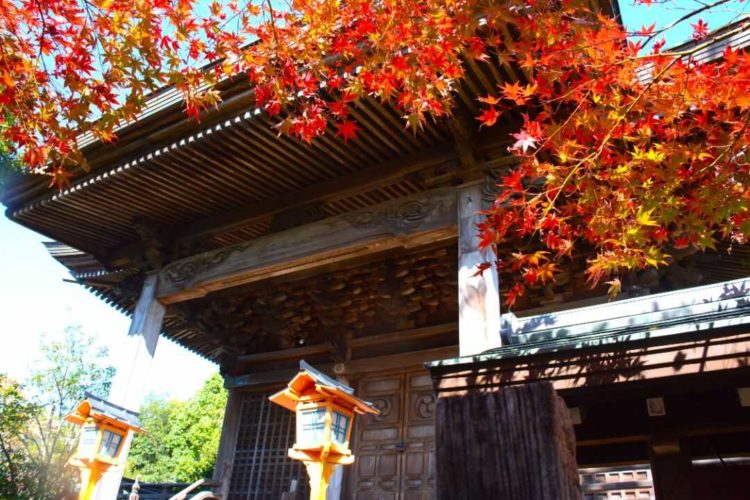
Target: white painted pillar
(478, 296)
(109, 484)
(128, 390)
(148, 317)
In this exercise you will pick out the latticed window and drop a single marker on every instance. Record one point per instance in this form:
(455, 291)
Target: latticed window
(261, 469)
(339, 427)
(311, 426)
(110, 444)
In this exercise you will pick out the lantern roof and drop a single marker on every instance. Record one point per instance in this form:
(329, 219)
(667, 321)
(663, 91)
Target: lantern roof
(309, 382)
(94, 406)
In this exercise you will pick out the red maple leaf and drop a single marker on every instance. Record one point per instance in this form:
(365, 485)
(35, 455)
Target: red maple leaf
(524, 141)
(489, 116)
(700, 29)
(59, 178)
(347, 130)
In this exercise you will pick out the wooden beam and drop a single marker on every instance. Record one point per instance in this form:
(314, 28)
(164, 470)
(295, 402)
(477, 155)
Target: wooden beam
(670, 468)
(285, 354)
(340, 187)
(267, 379)
(478, 295)
(394, 361)
(621, 363)
(148, 318)
(404, 335)
(421, 219)
(462, 129)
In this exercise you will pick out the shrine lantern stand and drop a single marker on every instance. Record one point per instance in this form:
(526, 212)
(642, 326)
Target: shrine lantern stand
(325, 410)
(105, 428)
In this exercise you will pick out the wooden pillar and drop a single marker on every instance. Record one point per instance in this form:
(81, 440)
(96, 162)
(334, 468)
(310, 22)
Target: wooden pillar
(478, 296)
(228, 443)
(148, 315)
(670, 468)
(514, 443)
(145, 327)
(129, 387)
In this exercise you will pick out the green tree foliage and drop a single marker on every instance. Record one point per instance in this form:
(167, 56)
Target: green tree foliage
(181, 438)
(8, 165)
(16, 416)
(33, 423)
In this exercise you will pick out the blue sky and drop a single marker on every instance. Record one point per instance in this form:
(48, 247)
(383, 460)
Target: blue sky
(663, 12)
(34, 300)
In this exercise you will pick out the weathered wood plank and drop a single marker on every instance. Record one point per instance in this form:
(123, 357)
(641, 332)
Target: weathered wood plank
(340, 187)
(623, 362)
(285, 354)
(148, 315)
(515, 443)
(394, 361)
(227, 443)
(404, 335)
(417, 220)
(478, 295)
(671, 469)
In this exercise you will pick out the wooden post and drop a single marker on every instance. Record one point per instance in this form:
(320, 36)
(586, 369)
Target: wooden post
(670, 469)
(228, 443)
(478, 296)
(148, 315)
(145, 327)
(128, 391)
(515, 443)
(319, 474)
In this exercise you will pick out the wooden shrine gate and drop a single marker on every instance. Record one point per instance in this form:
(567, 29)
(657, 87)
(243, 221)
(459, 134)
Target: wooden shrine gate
(261, 469)
(395, 450)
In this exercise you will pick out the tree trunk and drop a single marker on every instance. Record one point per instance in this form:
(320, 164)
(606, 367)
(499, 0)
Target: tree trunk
(516, 443)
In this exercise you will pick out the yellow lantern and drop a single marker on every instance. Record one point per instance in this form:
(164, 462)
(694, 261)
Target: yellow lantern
(104, 430)
(325, 412)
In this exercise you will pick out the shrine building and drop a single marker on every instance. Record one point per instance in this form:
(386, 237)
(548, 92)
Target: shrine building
(255, 251)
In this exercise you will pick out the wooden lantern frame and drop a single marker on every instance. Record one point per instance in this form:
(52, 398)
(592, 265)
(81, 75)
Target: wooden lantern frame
(95, 413)
(313, 390)
(326, 447)
(85, 457)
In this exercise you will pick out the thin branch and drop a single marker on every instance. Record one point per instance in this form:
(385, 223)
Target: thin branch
(684, 18)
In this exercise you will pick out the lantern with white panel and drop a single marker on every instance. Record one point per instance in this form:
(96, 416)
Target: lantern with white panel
(105, 428)
(325, 410)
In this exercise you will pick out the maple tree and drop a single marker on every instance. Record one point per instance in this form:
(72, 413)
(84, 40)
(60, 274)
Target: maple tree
(626, 150)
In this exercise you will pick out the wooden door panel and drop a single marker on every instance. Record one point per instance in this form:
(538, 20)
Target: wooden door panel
(378, 459)
(418, 477)
(395, 450)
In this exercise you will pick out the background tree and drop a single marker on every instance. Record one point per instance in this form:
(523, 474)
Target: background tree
(181, 438)
(16, 416)
(38, 440)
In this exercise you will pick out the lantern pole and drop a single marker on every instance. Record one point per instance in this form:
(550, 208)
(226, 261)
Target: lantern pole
(319, 474)
(89, 479)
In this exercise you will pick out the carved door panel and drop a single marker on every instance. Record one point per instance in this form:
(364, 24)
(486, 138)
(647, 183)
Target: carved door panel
(418, 431)
(395, 450)
(377, 465)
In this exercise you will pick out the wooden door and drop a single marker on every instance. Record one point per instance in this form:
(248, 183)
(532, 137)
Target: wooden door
(395, 450)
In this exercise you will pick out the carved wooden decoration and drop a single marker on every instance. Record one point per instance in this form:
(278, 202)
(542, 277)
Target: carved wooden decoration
(395, 450)
(340, 309)
(424, 218)
(478, 295)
